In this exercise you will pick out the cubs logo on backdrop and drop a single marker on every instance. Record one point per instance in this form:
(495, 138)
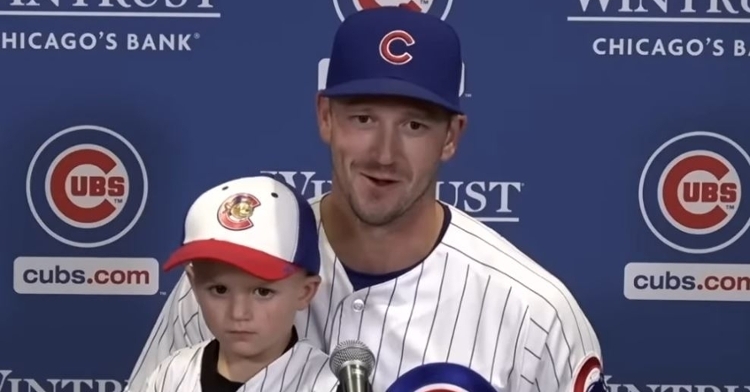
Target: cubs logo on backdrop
(86, 186)
(439, 8)
(691, 195)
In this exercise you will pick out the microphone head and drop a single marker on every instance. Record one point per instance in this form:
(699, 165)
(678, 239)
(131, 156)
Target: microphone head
(351, 351)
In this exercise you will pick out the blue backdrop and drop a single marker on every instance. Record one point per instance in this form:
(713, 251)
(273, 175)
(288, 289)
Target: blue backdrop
(606, 140)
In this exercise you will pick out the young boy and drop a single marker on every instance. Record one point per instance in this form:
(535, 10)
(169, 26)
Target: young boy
(251, 246)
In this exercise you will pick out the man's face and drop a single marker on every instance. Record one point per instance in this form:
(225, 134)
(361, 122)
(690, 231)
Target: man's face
(386, 152)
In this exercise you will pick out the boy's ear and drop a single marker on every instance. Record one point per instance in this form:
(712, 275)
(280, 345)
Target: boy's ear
(190, 274)
(307, 292)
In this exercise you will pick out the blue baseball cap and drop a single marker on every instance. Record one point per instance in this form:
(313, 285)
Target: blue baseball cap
(399, 52)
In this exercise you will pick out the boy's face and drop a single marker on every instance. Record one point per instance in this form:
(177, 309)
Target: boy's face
(249, 316)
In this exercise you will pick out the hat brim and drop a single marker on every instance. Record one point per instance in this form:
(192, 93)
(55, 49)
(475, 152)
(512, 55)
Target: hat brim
(386, 87)
(252, 261)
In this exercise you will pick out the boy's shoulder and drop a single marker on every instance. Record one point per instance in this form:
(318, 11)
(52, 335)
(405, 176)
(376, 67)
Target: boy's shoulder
(190, 351)
(309, 367)
(180, 368)
(304, 367)
(185, 358)
(312, 351)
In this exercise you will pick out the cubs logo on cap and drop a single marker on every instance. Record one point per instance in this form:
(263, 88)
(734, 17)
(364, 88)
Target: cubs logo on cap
(386, 47)
(393, 51)
(258, 224)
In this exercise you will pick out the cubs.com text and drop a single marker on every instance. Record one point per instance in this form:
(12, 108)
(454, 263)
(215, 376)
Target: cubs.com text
(85, 276)
(687, 282)
(97, 41)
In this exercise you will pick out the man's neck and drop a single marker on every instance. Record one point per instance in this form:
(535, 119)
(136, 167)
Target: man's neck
(381, 249)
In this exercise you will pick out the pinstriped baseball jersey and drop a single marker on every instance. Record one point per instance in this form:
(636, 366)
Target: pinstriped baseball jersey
(303, 368)
(475, 301)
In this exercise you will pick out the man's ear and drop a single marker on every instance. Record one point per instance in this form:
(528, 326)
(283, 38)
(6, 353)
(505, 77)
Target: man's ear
(456, 128)
(325, 120)
(307, 292)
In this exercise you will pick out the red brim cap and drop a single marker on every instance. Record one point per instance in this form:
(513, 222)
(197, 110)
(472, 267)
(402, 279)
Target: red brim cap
(252, 261)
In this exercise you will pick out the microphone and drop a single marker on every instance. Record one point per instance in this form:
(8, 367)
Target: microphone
(352, 363)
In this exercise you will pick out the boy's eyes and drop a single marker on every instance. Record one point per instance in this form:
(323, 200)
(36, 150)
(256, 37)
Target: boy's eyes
(218, 289)
(263, 292)
(260, 291)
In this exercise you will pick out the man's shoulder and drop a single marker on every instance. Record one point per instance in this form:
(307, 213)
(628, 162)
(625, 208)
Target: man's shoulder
(554, 320)
(490, 252)
(547, 299)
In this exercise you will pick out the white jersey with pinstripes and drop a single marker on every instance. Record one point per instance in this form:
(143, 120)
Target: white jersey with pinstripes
(303, 368)
(475, 301)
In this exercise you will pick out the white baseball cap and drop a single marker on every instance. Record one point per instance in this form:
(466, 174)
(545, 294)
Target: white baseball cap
(258, 224)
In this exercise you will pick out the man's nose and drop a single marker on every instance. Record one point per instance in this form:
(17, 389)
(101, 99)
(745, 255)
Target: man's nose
(387, 145)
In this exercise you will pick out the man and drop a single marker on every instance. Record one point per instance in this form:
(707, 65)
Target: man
(439, 298)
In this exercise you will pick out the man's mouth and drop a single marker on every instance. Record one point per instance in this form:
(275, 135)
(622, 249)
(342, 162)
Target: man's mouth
(380, 181)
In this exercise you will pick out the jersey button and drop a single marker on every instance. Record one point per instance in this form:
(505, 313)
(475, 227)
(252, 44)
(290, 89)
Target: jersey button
(358, 305)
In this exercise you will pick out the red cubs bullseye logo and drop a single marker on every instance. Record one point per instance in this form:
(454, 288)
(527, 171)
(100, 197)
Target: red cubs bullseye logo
(87, 186)
(439, 8)
(386, 47)
(690, 192)
(700, 192)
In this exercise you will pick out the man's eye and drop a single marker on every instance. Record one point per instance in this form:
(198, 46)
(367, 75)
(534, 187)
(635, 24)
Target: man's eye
(415, 126)
(362, 119)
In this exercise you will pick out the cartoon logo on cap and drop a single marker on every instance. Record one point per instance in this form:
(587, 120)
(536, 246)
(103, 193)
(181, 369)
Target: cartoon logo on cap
(690, 192)
(439, 8)
(86, 186)
(441, 377)
(386, 47)
(235, 212)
